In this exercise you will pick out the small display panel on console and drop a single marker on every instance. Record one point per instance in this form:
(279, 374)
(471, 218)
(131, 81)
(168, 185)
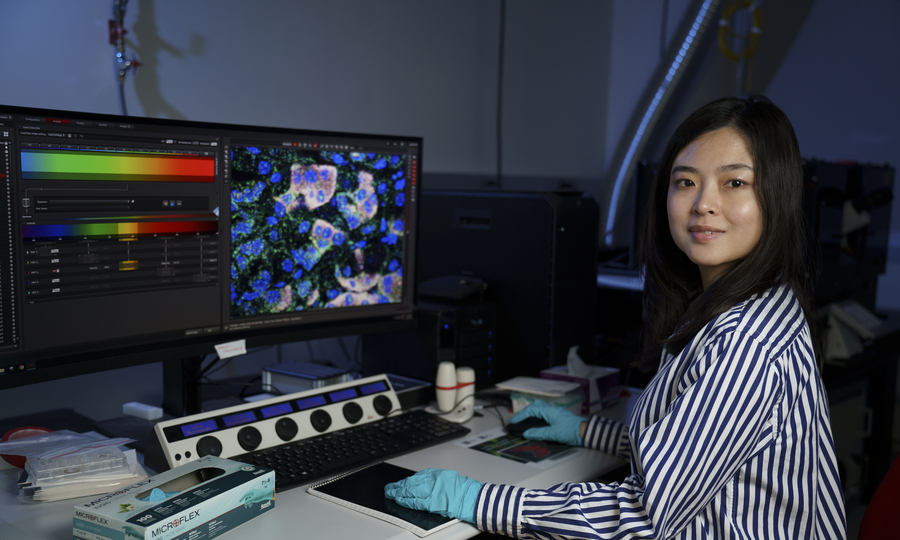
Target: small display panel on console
(276, 410)
(342, 395)
(372, 388)
(238, 419)
(198, 428)
(311, 402)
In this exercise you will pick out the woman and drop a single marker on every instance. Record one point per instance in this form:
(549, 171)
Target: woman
(731, 438)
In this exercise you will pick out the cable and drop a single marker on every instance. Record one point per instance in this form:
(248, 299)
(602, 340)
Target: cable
(222, 385)
(662, 32)
(208, 371)
(455, 405)
(122, 100)
(494, 404)
(205, 372)
(201, 370)
(500, 96)
(210, 382)
(117, 37)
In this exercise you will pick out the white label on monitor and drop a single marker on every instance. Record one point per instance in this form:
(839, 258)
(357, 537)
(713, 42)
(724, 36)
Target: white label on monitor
(233, 348)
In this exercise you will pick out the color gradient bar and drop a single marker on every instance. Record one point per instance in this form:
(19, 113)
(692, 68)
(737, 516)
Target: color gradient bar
(111, 166)
(166, 228)
(157, 216)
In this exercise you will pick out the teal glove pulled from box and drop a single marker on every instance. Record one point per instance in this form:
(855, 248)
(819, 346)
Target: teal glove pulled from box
(439, 491)
(565, 426)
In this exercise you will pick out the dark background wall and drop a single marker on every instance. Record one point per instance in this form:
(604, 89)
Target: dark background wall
(574, 71)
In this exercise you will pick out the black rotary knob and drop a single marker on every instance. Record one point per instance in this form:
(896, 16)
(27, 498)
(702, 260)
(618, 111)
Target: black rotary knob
(353, 412)
(321, 420)
(249, 438)
(286, 429)
(383, 404)
(209, 446)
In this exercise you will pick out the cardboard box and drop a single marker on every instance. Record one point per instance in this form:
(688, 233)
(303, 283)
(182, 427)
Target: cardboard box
(199, 500)
(600, 386)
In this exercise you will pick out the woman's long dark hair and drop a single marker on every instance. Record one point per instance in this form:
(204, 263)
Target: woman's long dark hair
(673, 311)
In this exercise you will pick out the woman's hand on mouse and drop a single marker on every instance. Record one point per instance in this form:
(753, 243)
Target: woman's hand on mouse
(565, 427)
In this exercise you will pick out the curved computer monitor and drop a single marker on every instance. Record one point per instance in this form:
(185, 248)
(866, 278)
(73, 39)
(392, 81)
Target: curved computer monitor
(134, 240)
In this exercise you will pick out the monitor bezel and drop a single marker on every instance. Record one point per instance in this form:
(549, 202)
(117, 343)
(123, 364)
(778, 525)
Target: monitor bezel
(98, 357)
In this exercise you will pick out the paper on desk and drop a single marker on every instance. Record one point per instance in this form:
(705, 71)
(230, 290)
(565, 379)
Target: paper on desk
(499, 443)
(539, 386)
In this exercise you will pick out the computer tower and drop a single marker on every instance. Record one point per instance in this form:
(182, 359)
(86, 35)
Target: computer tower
(462, 333)
(848, 205)
(537, 255)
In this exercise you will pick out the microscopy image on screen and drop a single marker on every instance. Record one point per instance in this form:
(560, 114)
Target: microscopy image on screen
(315, 229)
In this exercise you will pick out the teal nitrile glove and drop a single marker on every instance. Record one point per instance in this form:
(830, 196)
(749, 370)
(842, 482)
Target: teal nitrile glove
(434, 490)
(157, 495)
(565, 427)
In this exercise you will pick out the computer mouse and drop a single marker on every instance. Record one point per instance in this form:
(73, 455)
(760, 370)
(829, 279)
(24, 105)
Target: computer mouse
(519, 428)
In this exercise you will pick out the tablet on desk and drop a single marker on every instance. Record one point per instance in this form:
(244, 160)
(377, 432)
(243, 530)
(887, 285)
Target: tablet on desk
(363, 490)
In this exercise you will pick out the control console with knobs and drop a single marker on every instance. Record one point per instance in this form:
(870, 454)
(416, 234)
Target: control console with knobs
(236, 430)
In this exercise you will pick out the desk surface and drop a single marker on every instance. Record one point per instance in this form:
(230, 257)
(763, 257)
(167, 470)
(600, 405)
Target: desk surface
(295, 510)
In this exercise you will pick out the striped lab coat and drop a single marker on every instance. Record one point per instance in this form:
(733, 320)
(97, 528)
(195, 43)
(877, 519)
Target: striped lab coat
(731, 439)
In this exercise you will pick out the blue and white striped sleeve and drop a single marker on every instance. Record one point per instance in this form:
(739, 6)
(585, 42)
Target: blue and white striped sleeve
(607, 436)
(683, 459)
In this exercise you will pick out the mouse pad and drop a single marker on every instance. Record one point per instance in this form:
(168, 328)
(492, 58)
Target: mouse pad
(522, 450)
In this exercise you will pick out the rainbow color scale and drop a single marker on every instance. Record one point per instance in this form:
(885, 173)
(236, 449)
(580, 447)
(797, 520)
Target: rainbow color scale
(112, 166)
(150, 228)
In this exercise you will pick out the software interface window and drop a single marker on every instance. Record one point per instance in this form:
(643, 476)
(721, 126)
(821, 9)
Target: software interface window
(125, 233)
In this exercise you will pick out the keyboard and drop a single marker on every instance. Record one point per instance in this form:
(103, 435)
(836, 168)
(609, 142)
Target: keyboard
(309, 460)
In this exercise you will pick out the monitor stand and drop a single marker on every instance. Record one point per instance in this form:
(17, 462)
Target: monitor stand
(181, 386)
(181, 397)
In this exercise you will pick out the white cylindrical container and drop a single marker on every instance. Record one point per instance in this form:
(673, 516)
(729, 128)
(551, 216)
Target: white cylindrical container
(465, 385)
(445, 386)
